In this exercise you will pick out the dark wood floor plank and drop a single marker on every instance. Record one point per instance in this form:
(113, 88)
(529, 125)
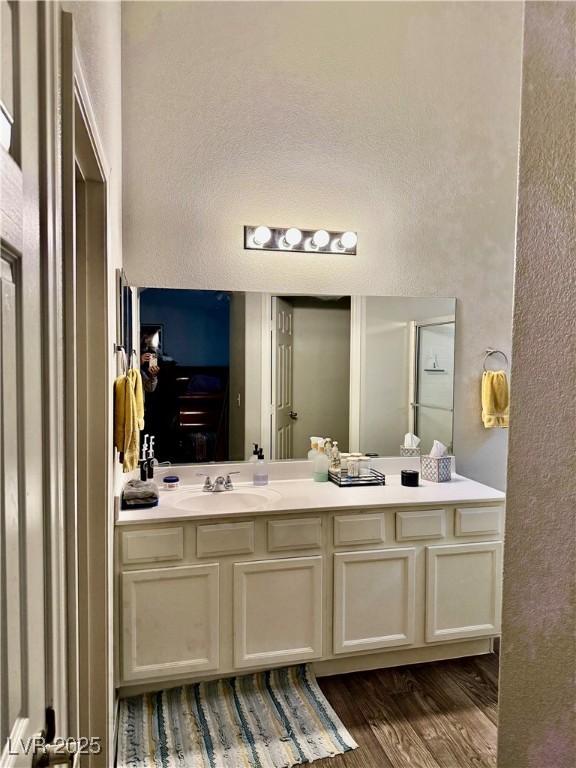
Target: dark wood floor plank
(397, 680)
(398, 739)
(476, 685)
(470, 723)
(450, 744)
(369, 753)
(439, 715)
(489, 664)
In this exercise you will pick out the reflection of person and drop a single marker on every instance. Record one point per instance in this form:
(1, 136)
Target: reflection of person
(149, 369)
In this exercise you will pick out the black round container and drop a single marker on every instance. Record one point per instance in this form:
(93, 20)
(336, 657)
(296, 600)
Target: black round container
(410, 477)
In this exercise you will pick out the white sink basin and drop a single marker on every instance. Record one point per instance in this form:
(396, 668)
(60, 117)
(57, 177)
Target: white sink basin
(238, 500)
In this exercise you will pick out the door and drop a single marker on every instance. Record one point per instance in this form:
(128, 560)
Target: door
(277, 611)
(434, 382)
(282, 378)
(463, 591)
(374, 599)
(22, 549)
(170, 621)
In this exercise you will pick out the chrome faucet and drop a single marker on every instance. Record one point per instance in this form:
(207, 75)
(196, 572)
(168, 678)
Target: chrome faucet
(220, 484)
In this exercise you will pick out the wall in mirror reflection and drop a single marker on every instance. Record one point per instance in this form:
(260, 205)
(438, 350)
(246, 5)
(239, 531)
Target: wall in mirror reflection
(225, 370)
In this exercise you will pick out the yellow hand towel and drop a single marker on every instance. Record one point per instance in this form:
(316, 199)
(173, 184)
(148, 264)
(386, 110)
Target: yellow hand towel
(128, 414)
(495, 399)
(135, 377)
(119, 402)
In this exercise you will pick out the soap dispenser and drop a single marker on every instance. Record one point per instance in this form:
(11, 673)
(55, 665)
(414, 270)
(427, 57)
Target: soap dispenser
(254, 458)
(143, 463)
(321, 464)
(260, 470)
(335, 461)
(313, 452)
(150, 459)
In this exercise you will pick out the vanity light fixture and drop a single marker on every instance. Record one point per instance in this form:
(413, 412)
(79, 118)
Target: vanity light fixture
(348, 240)
(320, 239)
(261, 236)
(291, 238)
(300, 240)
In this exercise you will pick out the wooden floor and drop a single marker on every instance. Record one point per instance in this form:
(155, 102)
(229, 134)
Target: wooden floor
(422, 716)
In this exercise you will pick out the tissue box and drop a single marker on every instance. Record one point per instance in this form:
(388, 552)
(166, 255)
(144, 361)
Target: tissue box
(437, 470)
(409, 451)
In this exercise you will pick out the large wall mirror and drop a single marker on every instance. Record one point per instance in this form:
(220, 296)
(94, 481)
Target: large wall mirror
(224, 370)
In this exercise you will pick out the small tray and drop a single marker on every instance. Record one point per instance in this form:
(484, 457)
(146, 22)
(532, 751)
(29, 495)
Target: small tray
(140, 505)
(343, 481)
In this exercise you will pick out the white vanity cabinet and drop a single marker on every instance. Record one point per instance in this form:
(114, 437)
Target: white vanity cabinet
(170, 621)
(278, 610)
(463, 590)
(374, 599)
(345, 589)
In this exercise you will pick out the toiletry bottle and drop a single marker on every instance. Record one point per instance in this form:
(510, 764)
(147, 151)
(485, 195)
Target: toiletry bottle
(335, 462)
(260, 470)
(150, 459)
(254, 458)
(328, 447)
(313, 452)
(321, 464)
(143, 463)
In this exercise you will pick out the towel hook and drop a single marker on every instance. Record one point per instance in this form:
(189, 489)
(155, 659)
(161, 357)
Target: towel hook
(490, 352)
(120, 348)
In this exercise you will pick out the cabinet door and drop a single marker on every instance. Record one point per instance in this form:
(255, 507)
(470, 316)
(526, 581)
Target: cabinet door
(277, 611)
(170, 621)
(463, 590)
(374, 599)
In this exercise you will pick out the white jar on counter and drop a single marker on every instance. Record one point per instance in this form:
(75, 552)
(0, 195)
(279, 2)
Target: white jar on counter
(353, 466)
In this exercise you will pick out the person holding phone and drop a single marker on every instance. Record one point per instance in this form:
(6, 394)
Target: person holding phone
(149, 368)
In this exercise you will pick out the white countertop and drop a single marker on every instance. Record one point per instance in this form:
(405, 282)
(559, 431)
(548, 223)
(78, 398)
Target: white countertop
(299, 495)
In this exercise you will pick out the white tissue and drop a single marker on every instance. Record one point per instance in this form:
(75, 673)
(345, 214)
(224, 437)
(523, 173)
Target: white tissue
(411, 441)
(438, 450)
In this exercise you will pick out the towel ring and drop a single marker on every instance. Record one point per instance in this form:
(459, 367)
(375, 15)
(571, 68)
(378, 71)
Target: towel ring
(490, 352)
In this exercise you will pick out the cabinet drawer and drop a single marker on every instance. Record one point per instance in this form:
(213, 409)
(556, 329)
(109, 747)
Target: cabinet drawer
(359, 529)
(225, 539)
(294, 534)
(478, 521)
(428, 524)
(152, 545)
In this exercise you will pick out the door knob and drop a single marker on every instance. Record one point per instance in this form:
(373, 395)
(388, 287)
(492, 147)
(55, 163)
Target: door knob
(293, 415)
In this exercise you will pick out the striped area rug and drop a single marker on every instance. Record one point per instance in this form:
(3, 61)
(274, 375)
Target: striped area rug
(271, 719)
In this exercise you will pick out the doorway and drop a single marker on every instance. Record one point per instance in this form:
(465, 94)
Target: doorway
(87, 424)
(310, 373)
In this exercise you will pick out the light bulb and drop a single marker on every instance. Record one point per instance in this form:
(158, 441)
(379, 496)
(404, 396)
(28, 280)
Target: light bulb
(320, 239)
(261, 235)
(292, 236)
(348, 239)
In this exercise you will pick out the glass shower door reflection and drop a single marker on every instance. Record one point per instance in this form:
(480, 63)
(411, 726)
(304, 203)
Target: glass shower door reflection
(434, 388)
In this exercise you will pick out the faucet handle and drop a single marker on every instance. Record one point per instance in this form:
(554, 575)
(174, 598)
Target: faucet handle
(207, 482)
(228, 484)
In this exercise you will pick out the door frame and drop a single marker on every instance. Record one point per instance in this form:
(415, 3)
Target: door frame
(86, 371)
(357, 356)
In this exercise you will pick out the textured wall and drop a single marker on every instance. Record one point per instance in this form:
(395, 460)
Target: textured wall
(399, 120)
(537, 721)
